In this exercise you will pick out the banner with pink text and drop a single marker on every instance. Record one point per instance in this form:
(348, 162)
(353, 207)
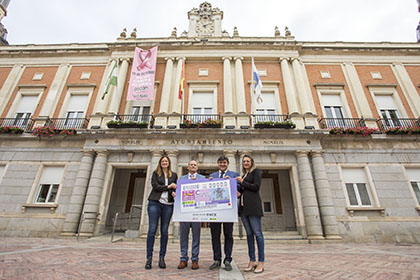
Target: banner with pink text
(142, 77)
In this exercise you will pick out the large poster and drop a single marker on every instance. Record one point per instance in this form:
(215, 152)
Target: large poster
(142, 77)
(205, 200)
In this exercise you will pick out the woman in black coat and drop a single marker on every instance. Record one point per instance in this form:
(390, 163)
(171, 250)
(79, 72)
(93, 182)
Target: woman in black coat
(250, 210)
(161, 201)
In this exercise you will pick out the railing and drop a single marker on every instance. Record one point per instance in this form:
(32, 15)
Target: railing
(387, 123)
(23, 123)
(136, 118)
(67, 123)
(267, 118)
(325, 123)
(199, 118)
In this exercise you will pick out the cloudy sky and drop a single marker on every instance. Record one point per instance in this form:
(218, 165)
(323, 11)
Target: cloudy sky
(90, 21)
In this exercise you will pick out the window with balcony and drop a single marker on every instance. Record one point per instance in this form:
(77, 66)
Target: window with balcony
(335, 115)
(202, 107)
(390, 117)
(266, 111)
(24, 111)
(140, 114)
(75, 112)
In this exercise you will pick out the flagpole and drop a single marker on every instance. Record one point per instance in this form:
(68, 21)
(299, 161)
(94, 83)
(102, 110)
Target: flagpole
(252, 86)
(183, 91)
(116, 89)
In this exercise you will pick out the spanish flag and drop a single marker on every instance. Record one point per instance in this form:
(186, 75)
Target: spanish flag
(182, 81)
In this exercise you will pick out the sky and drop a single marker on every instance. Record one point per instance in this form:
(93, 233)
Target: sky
(98, 21)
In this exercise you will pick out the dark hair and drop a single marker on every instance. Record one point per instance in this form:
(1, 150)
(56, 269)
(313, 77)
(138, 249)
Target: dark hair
(222, 158)
(159, 167)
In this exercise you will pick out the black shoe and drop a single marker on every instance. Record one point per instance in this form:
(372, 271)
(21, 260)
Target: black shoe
(162, 263)
(148, 264)
(215, 265)
(228, 266)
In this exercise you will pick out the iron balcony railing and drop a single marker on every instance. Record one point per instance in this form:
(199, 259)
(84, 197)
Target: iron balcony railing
(136, 118)
(23, 123)
(200, 118)
(67, 123)
(388, 123)
(268, 118)
(326, 123)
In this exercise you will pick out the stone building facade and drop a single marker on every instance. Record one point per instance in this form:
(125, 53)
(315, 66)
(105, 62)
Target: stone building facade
(316, 185)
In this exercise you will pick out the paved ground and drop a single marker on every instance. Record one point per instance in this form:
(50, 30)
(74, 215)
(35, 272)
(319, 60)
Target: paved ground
(24, 258)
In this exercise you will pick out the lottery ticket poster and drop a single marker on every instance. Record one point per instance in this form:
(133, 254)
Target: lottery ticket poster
(205, 200)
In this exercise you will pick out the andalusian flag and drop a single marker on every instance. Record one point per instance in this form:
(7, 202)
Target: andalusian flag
(182, 81)
(112, 79)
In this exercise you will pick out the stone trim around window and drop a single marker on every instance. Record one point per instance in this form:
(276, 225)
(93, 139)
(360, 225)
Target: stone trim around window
(52, 207)
(353, 209)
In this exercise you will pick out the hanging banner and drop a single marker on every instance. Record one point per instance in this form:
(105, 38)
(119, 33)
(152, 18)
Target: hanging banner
(205, 200)
(142, 77)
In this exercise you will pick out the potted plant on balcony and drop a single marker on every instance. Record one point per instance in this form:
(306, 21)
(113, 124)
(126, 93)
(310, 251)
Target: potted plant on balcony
(401, 130)
(11, 130)
(363, 131)
(210, 123)
(266, 124)
(187, 124)
(126, 124)
(285, 124)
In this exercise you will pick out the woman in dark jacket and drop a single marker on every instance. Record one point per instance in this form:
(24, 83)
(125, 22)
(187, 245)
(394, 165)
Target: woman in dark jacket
(250, 210)
(161, 201)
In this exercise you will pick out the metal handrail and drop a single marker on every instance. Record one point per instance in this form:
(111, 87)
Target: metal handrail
(82, 218)
(67, 123)
(387, 123)
(255, 118)
(199, 118)
(326, 123)
(22, 123)
(138, 206)
(113, 229)
(150, 119)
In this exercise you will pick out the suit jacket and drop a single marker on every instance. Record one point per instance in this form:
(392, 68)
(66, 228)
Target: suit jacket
(231, 174)
(197, 176)
(250, 195)
(159, 186)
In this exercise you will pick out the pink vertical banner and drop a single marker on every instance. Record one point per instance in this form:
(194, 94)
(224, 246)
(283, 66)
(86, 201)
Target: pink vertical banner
(142, 77)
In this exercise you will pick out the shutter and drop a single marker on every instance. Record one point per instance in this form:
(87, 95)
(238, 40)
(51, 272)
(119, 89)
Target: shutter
(52, 175)
(385, 102)
(27, 104)
(77, 103)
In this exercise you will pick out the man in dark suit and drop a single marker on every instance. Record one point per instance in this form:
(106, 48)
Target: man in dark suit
(215, 228)
(184, 227)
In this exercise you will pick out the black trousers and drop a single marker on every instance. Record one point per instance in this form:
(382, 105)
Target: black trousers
(215, 229)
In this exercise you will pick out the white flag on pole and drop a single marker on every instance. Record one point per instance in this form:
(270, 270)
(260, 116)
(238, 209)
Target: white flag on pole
(257, 84)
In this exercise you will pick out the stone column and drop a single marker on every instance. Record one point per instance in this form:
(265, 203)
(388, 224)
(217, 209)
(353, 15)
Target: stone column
(228, 119)
(10, 84)
(121, 82)
(161, 117)
(407, 87)
(303, 94)
(358, 94)
(77, 198)
(326, 206)
(289, 86)
(94, 193)
(173, 156)
(144, 221)
(240, 93)
(308, 194)
(175, 117)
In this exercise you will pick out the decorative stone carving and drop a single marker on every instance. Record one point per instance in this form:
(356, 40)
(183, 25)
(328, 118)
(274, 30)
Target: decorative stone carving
(287, 32)
(173, 34)
(205, 21)
(276, 32)
(225, 33)
(184, 34)
(133, 34)
(235, 32)
(123, 34)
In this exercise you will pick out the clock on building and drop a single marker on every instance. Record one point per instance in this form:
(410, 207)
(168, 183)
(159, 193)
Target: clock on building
(205, 28)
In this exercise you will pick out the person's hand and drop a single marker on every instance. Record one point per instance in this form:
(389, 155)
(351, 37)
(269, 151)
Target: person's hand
(239, 179)
(172, 186)
(238, 194)
(173, 194)
(226, 177)
(210, 178)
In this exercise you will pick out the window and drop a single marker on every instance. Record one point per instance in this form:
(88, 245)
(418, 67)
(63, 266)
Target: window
(140, 114)
(202, 106)
(75, 111)
(334, 112)
(266, 111)
(49, 184)
(388, 110)
(414, 177)
(356, 184)
(24, 110)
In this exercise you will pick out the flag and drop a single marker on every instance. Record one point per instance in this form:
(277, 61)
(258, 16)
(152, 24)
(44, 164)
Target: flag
(257, 84)
(112, 79)
(182, 82)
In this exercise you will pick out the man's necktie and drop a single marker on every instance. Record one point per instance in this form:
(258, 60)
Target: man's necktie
(222, 174)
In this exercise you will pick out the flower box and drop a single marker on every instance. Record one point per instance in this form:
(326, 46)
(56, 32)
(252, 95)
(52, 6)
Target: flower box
(284, 125)
(191, 125)
(10, 130)
(211, 125)
(403, 131)
(363, 131)
(121, 124)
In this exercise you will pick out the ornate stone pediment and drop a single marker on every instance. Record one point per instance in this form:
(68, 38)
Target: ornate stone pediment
(205, 21)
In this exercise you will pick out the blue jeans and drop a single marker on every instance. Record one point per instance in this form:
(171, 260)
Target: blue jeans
(252, 226)
(157, 210)
(184, 232)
